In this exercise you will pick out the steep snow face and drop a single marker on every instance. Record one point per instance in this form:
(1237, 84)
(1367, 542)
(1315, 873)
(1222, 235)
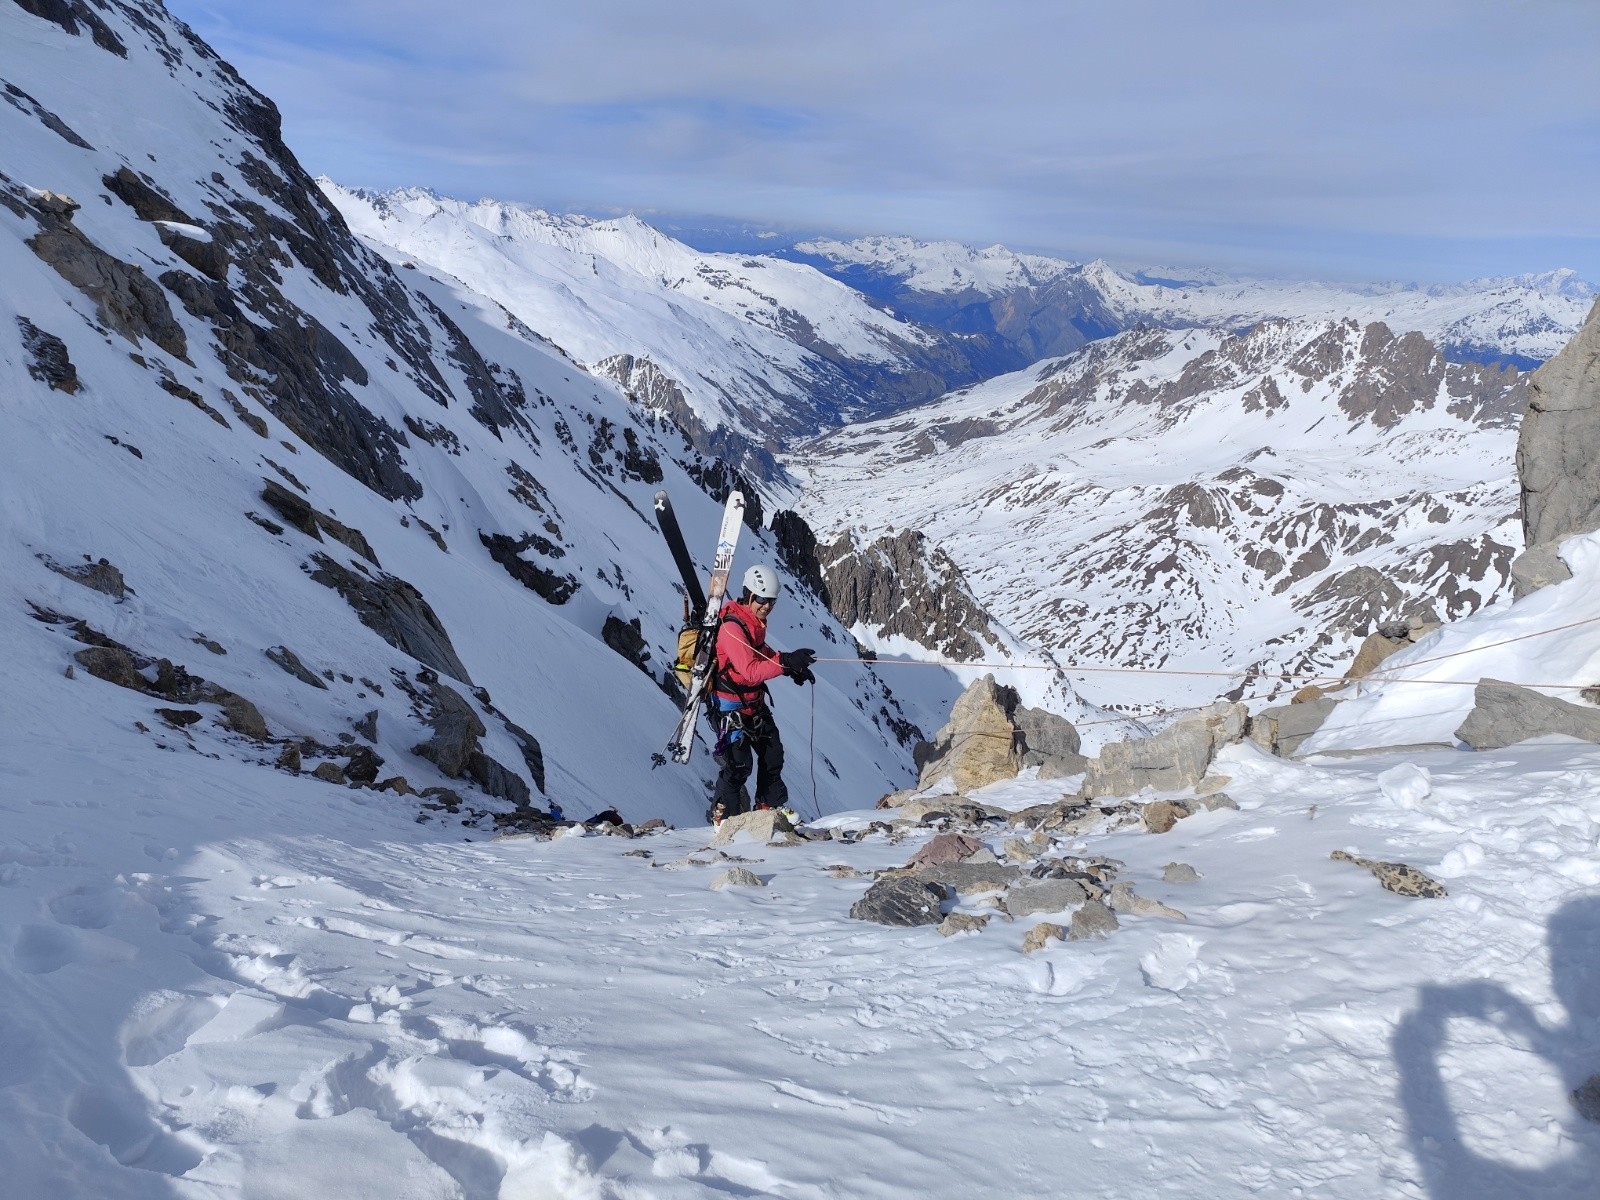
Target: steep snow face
(767, 348)
(1199, 502)
(184, 322)
(1524, 318)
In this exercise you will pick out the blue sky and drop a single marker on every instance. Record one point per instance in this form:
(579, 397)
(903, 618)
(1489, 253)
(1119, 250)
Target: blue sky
(1433, 140)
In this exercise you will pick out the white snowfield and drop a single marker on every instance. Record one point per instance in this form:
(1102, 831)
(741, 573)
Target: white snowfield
(224, 982)
(1531, 315)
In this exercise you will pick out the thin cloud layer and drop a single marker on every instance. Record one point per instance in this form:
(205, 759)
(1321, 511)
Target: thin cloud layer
(1429, 139)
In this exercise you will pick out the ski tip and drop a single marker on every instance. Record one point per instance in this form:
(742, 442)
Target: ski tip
(663, 501)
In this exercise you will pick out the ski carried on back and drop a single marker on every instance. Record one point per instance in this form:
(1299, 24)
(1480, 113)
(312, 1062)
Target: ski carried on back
(706, 613)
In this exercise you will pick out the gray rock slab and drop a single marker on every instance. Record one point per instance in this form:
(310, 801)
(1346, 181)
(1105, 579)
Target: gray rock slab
(1045, 896)
(900, 900)
(1093, 920)
(1504, 714)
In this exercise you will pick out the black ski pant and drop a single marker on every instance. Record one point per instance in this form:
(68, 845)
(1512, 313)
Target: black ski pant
(761, 751)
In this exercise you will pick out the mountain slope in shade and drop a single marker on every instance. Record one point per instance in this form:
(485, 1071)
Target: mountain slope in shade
(1040, 305)
(1195, 501)
(283, 444)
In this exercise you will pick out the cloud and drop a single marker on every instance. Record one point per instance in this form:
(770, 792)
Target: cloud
(1462, 132)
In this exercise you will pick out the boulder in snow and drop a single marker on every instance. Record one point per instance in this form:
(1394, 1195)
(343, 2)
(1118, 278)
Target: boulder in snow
(1125, 900)
(1173, 759)
(1093, 920)
(1044, 896)
(961, 923)
(990, 736)
(946, 848)
(736, 877)
(763, 825)
(900, 900)
(1504, 714)
(1283, 729)
(1041, 935)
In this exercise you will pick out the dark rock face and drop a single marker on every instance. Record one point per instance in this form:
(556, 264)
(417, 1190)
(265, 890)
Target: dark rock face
(48, 361)
(627, 639)
(100, 576)
(297, 368)
(1504, 714)
(901, 900)
(124, 297)
(1558, 450)
(548, 584)
(454, 747)
(898, 585)
(396, 612)
(309, 521)
(69, 14)
(290, 662)
(532, 753)
(22, 102)
(456, 730)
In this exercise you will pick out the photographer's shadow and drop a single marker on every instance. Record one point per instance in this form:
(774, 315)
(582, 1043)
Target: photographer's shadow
(1452, 1169)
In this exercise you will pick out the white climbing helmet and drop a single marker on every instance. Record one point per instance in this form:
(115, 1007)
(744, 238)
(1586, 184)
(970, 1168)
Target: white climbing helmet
(761, 580)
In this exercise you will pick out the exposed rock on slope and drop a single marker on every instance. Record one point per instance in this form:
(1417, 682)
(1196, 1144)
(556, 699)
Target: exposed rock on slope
(1558, 455)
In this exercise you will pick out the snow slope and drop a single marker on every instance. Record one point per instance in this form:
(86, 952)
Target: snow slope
(422, 420)
(229, 982)
(765, 347)
(1197, 502)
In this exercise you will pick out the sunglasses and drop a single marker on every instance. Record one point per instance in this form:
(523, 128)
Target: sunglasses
(764, 601)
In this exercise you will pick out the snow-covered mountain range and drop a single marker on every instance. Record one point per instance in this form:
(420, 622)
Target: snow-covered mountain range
(754, 346)
(1199, 501)
(1040, 306)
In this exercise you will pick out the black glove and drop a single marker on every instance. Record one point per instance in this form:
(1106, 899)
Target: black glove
(796, 664)
(804, 676)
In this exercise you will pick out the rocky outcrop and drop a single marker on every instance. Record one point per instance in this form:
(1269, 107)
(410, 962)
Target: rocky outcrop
(550, 585)
(990, 736)
(1558, 450)
(1504, 714)
(1172, 760)
(454, 747)
(48, 361)
(297, 511)
(125, 299)
(1282, 730)
(117, 664)
(898, 585)
(290, 662)
(97, 575)
(395, 611)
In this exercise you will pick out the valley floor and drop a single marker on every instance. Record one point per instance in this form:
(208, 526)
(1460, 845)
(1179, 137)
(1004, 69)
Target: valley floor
(222, 981)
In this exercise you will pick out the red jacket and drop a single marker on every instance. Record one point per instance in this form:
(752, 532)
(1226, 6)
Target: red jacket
(744, 660)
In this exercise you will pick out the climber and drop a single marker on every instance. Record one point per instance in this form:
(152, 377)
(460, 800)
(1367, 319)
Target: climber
(747, 736)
